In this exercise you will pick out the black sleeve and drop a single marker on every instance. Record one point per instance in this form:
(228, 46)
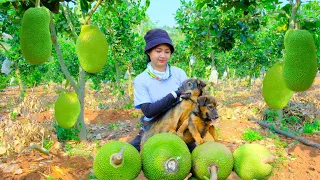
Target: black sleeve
(152, 109)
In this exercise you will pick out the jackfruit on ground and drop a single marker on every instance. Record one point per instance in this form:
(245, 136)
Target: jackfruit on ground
(67, 109)
(92, 48)
(106, 168)
(165, 156)
(300, 60)
(208, 154)
(35, 39)
(274, 90)
(251, 161)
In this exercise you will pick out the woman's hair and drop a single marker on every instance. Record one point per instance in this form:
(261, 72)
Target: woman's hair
(147, 55)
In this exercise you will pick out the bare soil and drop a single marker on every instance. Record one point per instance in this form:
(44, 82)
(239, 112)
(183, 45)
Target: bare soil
(74, 160)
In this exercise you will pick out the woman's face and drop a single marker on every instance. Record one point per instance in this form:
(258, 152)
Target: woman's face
(159, 57)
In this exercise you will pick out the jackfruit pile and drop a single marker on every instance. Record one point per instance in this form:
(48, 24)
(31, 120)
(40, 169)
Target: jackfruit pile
(117, 160)
(300, 60)
(165, 156)
(275, 92)
(67, 109)
(91, 48)
(252, 161)
(35, 39)
(210, 154)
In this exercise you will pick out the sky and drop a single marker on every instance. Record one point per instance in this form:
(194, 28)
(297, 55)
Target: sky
(161, 12)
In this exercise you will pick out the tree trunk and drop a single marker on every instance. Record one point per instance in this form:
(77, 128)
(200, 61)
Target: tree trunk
(130, 86)
(80, 90)
(117, 70)
(81, 95)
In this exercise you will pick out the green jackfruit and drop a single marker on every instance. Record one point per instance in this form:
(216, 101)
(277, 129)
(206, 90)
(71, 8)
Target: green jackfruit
(117, 160)
(274, 90)
(165, 156)
(92, 48)
(300, 60)
(67, 109)
(251, 161)
(35, 39)
(212, 154)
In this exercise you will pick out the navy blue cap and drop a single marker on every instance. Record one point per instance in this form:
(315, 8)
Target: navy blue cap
(155, 37)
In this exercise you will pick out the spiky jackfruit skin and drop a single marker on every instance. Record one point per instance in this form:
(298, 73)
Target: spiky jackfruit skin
(67, 109)
(35, 39)
(92, 48)
(275, 92)
(162, 148)
(248, 162)
(212, 153)
(300, 60)
(129, 169)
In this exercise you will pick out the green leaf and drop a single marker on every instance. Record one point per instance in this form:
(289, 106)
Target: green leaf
(84, 6)
(317, 23)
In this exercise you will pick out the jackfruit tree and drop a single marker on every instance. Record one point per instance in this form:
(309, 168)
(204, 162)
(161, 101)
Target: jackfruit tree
(92, 47)
(300, 59)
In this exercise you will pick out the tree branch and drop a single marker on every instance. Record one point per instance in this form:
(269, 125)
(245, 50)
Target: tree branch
(287, 134)
(292, 21)
(92, 11)
(60, 58)
(3, 46)
(66, 14)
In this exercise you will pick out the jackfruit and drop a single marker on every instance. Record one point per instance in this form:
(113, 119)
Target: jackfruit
(274, 90)
(67, 109)
(35, 39)
(92, 48)
(212, 155)
(300, 60)
(117, 160)
(165, 156)
(251, 161)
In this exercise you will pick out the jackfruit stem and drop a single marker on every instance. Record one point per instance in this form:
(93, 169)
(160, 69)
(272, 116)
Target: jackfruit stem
(171, 165)
(37, 3)
(267, 160)
(118, 157)
(213, 171)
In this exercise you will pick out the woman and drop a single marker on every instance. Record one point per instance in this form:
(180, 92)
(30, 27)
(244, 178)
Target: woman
(157, 87)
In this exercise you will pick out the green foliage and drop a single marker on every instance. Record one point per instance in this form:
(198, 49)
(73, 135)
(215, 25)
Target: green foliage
(129, 105)
(138, 125)
(47, 144)
(14, 115)
(271, 115)
(251, 135)
(279, 143)
(98, 145)
(66, 134)
(113, 126)
(135, 115)
(78, 149)
(312, 128)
